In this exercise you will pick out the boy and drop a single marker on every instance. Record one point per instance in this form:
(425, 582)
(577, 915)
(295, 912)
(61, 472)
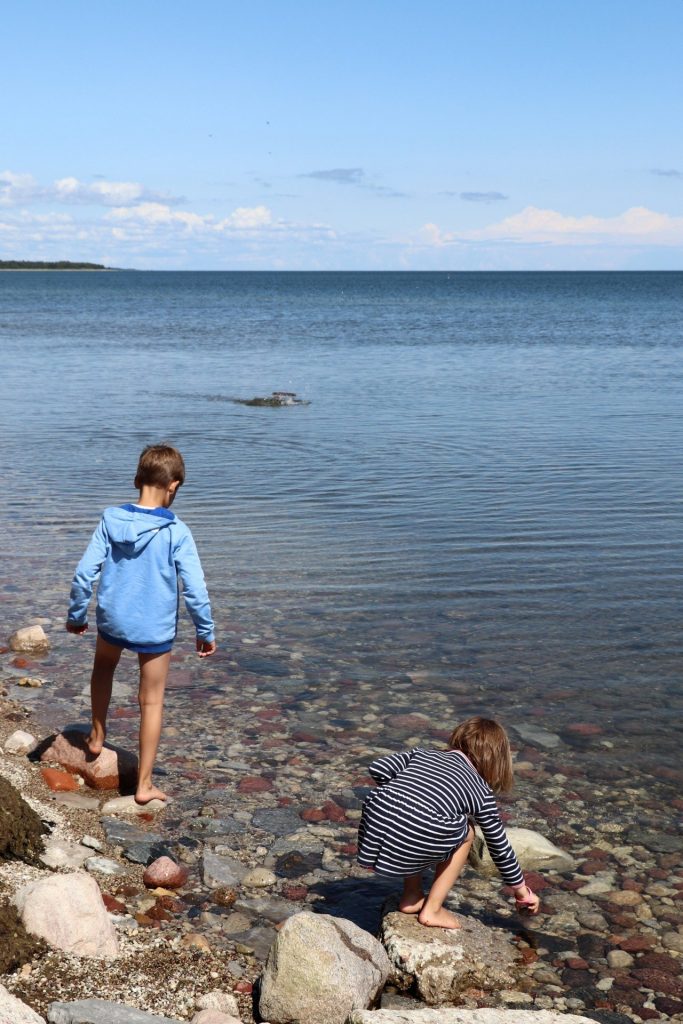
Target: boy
(138, 552)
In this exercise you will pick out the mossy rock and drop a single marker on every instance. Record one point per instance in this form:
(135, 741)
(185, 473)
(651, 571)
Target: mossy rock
(17, 946)
(21, 830)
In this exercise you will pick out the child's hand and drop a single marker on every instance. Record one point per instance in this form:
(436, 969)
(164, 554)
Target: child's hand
(526, 901)
(206, 648)
(75, 627)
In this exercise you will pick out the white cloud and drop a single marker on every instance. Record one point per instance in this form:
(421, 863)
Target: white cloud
(638, 225)
(23, 189)
(245, 218)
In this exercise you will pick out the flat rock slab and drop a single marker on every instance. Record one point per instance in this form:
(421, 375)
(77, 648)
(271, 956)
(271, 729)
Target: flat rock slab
(80, 800)
(61, 854)
(129, 805)
(440, 962)
(534, 853)
(452, 1016)
(280, 821)
(111, 769)
(536, 736)
(220, 871)
(138, 846)
(100, 1011)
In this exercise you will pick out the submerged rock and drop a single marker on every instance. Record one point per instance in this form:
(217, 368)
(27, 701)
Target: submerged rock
(534, 853)
(319, 969)
(440, 962)
(21, 830)
(29, 640)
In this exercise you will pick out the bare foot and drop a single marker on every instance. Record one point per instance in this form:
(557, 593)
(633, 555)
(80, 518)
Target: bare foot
(95, 742)
(438, 919)
(144, 795)
(411, 906)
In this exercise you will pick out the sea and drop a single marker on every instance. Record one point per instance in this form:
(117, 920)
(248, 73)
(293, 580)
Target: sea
(474, 501)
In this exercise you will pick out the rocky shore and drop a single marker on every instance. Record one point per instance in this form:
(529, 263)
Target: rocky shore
(261, 831)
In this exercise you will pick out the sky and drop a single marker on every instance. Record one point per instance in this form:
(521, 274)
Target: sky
(373, 135)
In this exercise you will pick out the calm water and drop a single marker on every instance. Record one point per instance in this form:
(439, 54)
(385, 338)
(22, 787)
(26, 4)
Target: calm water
(484, 491)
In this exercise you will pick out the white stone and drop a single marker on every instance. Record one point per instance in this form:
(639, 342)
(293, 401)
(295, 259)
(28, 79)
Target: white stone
(619, 958)
(129, 805)
(91, 843)
(68, 912)
(30, 640)
(534, 853)
(20, 742)
(319, 969)
(13, 1011)
(104, 866)
(61, 854)
(225, 1002)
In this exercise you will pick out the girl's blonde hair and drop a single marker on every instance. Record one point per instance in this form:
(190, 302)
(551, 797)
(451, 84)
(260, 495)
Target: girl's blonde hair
(486, 744)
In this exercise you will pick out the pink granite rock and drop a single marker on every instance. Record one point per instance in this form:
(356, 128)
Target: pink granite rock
(112, 769)
(68, 912)
(166, 873)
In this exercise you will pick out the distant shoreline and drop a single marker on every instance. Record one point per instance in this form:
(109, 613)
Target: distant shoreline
(29, 265)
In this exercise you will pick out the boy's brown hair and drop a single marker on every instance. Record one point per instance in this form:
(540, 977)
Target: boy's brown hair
(486, 744)
(159, 466)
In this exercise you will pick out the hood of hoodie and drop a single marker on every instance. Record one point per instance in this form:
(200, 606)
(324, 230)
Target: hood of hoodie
(132, 529)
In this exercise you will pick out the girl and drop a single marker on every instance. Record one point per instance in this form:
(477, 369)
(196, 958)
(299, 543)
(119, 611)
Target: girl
(419, 815)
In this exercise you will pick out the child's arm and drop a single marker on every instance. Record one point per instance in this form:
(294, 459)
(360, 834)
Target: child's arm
(195, 594)
(503, 856)
(87, 571)
(386, 768)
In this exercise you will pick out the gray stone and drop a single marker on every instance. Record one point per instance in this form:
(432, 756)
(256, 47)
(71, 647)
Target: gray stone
(220, 826)
(281, 821)
(272, 908)
(138, 846)
(104, 866)
(453, 1016)
(440, 963)
(673, 941)
(13, 1011)
(80, 800)
(219, 870)
(101, 1011)
(534, 853)
(320, 968)
(263, 666)
(257, 941)
(67, 911)
(218, 1000)
(295, 855)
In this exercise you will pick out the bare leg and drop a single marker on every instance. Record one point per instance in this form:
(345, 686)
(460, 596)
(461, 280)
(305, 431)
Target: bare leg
(106, 659)
(433, 913)
(413, 897)
(153, 672)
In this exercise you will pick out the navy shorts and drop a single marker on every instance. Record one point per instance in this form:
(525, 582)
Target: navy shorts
(128, 645)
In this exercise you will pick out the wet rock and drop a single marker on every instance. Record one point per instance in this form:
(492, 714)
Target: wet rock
(280, 821)
(29, 640)
(32, 682)
(263, 666)
(164, 872)
(101, 1011)
(619, 958)
(272, 908)
(21, 830)
(68, 912)
(536, 736)
(112, 769)
(20, 742)
(138, 846)
(13, 1011)
(319, 969)
(129, 805)
(534, 852)
(254, 784)
(219, 871)
(259, 878)
(442, 963)
(295, 855)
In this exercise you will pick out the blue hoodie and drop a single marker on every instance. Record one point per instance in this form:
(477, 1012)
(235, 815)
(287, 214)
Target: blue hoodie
(139, 555)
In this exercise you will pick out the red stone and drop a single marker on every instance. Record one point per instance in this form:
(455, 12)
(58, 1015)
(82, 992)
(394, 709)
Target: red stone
(537, 881)
(529, 956)
(660, 962)
(333, 812)
(164, 872)
(584, 729)
(349, 849)
(59, 781)
(112, 769)
(296, 893)
(268, 714)
(112, 905)
(577, 963)
(244, 987)
(635, 943)
(631, 885)
(659, 981)
(20, 662)
(284, 801)
(313, 814)
(254, 784)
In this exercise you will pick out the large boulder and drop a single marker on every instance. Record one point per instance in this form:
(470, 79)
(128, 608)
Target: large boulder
(68, 912)
(13, 1011)
(320, 968)
(21, 830)
(441, 963)
(448, 1016)
(113, 768)
(29, 640)
(534, 853)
